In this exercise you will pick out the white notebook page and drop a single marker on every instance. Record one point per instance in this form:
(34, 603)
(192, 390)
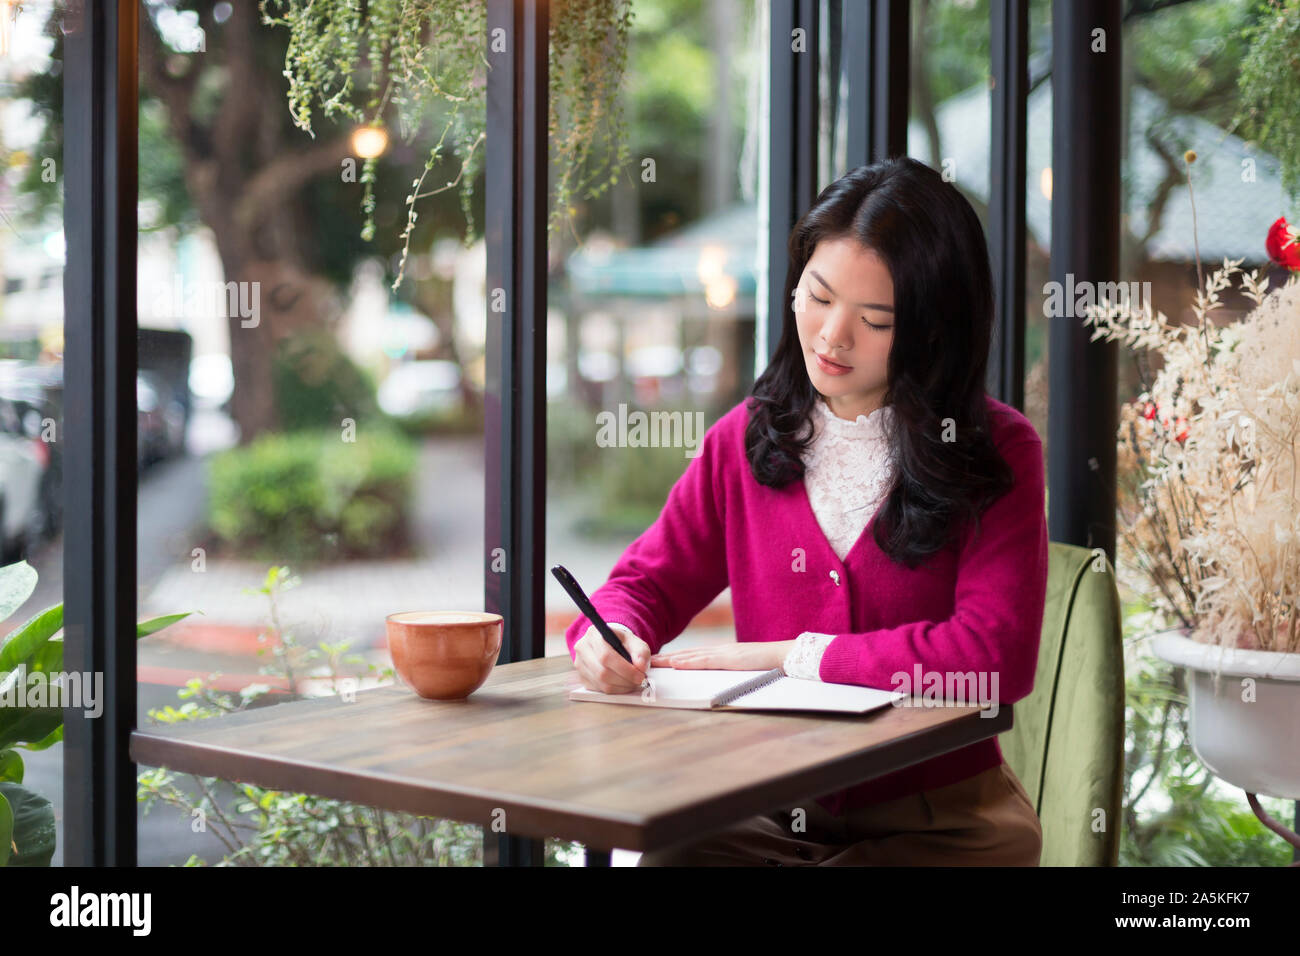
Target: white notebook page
(692, 687)
(673, 683)
(794, 693)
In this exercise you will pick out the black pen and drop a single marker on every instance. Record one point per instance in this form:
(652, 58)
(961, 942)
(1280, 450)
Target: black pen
(584, 605)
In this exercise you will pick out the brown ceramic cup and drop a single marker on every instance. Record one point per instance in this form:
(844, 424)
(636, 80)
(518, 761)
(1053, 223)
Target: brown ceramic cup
(444, 655)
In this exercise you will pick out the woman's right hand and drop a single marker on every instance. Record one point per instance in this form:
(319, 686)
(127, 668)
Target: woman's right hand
(601, 668)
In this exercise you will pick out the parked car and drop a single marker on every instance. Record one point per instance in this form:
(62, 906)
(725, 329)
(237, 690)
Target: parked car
(160, 420)
(420, 387)
(32, 416)
(149, 428)
(164, 363)
(24, 463)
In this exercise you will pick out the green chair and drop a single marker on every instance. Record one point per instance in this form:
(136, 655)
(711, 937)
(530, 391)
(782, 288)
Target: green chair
(1066, 743)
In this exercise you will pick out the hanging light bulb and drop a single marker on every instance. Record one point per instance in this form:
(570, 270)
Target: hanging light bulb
(369, 141)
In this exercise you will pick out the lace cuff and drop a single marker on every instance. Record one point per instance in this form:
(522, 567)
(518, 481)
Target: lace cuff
(805, 658)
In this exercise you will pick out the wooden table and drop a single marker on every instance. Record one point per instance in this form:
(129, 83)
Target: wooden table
(605, 775)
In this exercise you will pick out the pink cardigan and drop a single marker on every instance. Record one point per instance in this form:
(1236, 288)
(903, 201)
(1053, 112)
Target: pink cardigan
(977, 607)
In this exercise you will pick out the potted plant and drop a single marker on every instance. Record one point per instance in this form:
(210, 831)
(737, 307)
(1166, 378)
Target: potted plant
(31, 718)
(1213, 446)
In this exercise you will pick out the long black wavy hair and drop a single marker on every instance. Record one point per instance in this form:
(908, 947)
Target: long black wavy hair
(932, 242)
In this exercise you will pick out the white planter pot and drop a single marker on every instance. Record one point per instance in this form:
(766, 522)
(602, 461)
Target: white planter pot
(1252, 744)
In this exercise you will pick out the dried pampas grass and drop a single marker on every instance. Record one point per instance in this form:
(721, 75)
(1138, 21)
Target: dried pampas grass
(1211, 504)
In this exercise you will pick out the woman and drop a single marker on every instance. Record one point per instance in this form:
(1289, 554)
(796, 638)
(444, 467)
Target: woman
(877, 516)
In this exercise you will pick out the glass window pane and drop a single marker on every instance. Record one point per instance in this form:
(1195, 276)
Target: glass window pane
(31, 368)
(310, 434)
(652, 300)
(949, 107)
(1038, 214)
(1183, 81)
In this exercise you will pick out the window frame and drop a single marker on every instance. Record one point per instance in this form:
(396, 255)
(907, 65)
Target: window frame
(101, 95)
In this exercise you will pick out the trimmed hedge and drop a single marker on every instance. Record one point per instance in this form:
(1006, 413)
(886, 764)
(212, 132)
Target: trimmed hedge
(317, 386)
(310, 495)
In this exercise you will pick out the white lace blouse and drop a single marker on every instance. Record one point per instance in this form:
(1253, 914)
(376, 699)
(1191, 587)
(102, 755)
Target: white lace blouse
(848, 471)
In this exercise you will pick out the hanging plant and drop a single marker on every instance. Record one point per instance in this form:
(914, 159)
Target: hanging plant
(1270, 86)
(362, 60)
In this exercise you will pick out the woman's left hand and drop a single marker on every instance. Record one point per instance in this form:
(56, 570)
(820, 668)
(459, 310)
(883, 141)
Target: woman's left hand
(750, 656)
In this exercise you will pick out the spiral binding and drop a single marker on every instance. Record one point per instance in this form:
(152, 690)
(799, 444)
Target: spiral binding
(754, 683)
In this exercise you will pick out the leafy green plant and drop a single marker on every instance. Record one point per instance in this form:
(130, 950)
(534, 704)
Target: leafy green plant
(1270, 86)
(262, 827)
(1174, 810)
(456, 421)
(317, 386)
(311, 495)
(572, 457)
(27, 829)
(634, 484)
(631, 483)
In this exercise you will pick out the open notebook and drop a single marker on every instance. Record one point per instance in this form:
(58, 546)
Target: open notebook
(690, 689)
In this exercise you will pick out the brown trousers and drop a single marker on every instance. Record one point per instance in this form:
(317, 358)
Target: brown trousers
(984, 820)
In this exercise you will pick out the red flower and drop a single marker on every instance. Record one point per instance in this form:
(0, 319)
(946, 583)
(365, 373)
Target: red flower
(1149, 412)
(1181, 428)
(1278, 236)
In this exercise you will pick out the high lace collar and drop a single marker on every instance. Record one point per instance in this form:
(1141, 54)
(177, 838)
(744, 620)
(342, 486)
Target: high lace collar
(862, 426)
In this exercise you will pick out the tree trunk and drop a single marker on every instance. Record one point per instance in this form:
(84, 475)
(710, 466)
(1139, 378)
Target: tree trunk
(441, 311)
(244, 170)
(288, 301)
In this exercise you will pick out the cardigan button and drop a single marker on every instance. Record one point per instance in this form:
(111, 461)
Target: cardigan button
(835, 576)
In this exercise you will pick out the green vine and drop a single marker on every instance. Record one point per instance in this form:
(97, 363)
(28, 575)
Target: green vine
(375, 61)
(1270, 86)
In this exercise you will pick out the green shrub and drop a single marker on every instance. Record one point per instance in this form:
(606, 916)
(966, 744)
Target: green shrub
(634, 485)
(631, 483)
(455, 421)
(317, 386)
(311, 495)
(571, 451)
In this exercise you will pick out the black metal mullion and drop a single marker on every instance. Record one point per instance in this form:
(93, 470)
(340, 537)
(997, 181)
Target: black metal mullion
(1083, 413)
(99, 428)
(792, 144)
(877, 80)
(890, 74)
(515, 395)
(1009, 44)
